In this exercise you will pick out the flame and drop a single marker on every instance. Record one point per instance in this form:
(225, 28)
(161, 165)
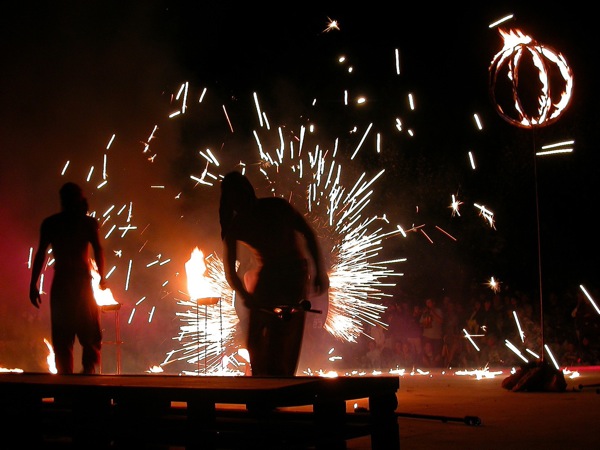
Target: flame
(104, 297)
(6, 370)
(50, 358)
(197, 283)
(155, 369)
(516, 44)
(244, 354)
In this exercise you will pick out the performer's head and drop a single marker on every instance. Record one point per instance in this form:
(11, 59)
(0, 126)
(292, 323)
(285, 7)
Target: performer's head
(237, 195)
(72, 199)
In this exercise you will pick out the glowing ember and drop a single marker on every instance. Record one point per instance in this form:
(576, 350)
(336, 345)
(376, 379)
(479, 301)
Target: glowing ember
(479, 373)
(572, 375)
(155, 369)
(455, 205)
(5, 370)
(331, 25)
(494, 284)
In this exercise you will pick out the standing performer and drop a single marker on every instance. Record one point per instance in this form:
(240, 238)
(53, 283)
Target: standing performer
(270, 227)
(73, 308)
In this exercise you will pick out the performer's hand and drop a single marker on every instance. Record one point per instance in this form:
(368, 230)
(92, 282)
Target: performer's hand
(34, 296)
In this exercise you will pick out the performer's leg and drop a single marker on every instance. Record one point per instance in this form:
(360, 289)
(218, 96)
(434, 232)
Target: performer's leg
(90, 338)
(63, 339)
(62, 319)
(284, 342)
(257, 348)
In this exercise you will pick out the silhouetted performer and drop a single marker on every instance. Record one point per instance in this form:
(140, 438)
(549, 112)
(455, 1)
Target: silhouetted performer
(73, 308)
(272, 229)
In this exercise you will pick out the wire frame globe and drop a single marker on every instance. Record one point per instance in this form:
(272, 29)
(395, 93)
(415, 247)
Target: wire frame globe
(531, 85)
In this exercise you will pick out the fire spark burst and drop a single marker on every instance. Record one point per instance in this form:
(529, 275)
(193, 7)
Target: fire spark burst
(349, 235)
(207, 336)
(313, 180)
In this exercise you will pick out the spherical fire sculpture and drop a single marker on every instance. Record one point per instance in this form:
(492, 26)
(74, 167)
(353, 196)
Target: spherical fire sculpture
(534, 82)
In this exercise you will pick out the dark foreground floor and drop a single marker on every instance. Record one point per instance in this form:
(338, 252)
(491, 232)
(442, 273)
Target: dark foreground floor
(509, 420)
(447, 409)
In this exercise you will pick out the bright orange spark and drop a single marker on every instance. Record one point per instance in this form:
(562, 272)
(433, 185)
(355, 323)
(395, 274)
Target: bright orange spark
(332, 25)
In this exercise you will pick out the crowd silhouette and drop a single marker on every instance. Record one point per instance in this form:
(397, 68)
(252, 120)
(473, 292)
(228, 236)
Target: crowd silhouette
(483, 329)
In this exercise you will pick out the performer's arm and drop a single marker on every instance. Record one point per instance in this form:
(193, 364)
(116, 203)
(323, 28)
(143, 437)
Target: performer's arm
(231, 275)
(321, 279)
(36, 270)
(98, 255)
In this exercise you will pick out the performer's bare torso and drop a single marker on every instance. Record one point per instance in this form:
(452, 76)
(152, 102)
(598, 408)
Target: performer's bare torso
(268, 230)
(70, 239)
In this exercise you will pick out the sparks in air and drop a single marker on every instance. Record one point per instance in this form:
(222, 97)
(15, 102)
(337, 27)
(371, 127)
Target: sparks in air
(313, 178)
(494, 284)
(589, 297)
(455, 205)
(336, 202)
(331, 25)
(559, 147)
(355, 278)
(479, 374)
(355, 239)
(521, 332)
(486, 214)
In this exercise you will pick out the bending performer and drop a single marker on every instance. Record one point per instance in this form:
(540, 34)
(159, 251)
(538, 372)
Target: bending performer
(272, 229)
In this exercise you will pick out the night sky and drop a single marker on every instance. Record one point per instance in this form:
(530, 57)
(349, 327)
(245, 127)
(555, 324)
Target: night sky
(74, 75)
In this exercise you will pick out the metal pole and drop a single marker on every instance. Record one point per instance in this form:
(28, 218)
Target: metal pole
(118, 341)
(539, 245)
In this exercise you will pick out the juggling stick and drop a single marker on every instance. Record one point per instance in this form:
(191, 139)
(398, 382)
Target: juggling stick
(596, 385)
(467, 420)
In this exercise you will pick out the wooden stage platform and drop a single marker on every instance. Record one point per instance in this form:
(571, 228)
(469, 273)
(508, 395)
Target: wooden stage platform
(164, 411)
